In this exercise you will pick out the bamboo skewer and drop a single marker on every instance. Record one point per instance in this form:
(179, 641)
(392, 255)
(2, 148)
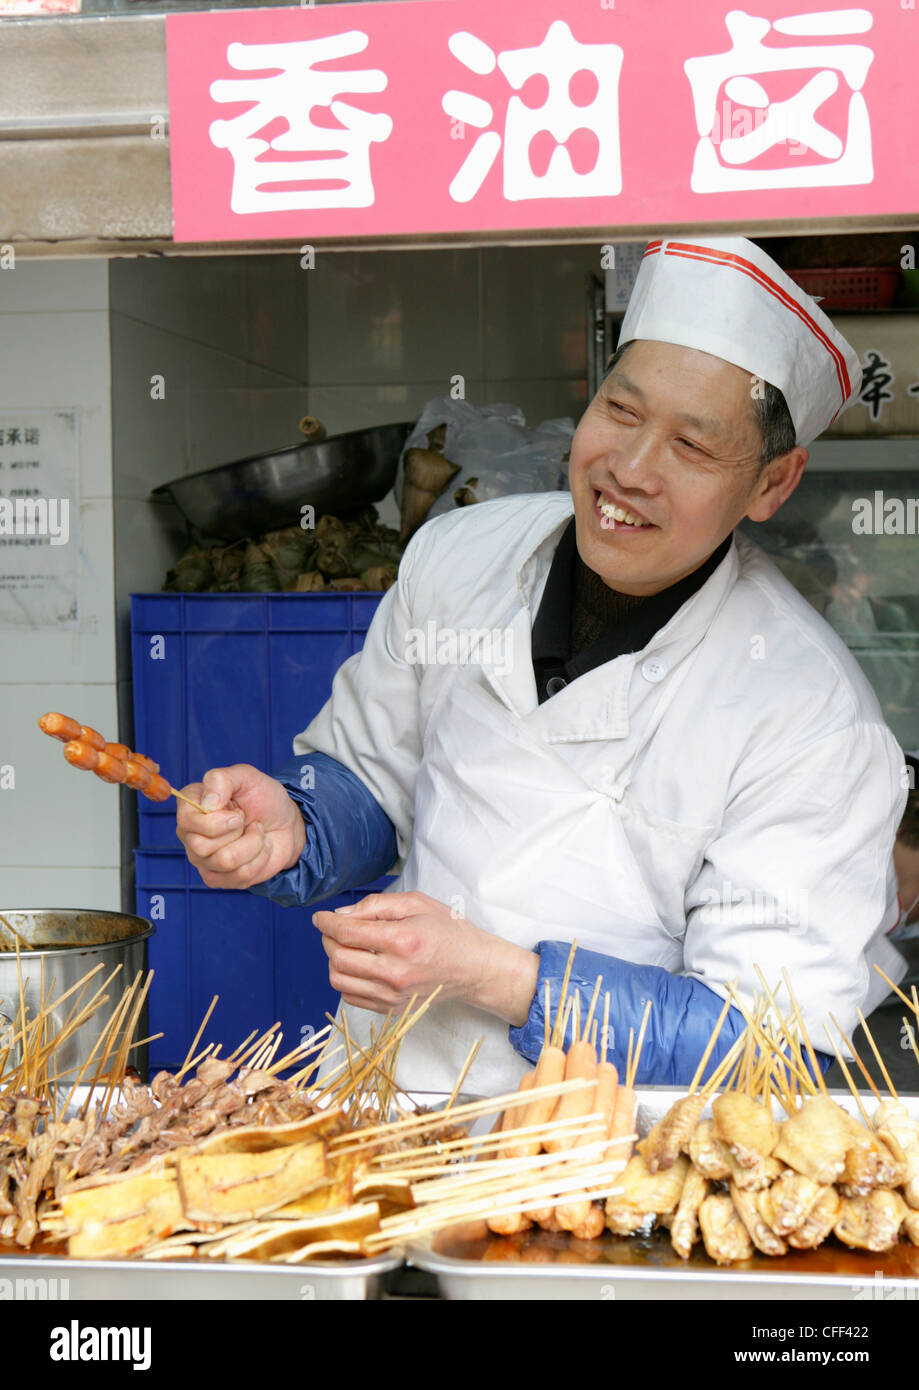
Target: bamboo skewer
(590, 1012)
(180, 796)
(877, 1056)
(197, 1038)
(471, 1110)
(911, 1034)
(631, 1070)
(697, 1077)
(848, 1075)
(818, 1073)
(304, 1049)
(557, 1039)
(858, 1061)
(473, 1053)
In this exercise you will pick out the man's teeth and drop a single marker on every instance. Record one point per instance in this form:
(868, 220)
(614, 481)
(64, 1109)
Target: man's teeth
(617, 513)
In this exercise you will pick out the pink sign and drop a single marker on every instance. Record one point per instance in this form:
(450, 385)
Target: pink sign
(439, 116)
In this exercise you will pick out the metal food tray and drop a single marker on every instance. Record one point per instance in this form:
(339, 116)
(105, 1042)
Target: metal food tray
(471, 1263)
(60, 1277)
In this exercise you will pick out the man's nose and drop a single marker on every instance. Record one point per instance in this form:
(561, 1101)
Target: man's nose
(637, 463)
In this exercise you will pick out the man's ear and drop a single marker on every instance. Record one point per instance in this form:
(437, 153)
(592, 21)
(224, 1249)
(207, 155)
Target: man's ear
(776, 484)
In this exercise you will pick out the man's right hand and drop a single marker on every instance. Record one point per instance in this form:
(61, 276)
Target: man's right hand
(252, 829)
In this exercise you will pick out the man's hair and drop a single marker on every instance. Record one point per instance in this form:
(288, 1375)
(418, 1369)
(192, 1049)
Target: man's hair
(908, 832)
(776, 426)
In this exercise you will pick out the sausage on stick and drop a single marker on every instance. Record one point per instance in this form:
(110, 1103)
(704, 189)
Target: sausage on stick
(59, 726)
(86, 749)
(509, 1223)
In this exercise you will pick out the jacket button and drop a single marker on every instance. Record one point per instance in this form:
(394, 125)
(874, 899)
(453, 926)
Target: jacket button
(554, 684)
(653, 670)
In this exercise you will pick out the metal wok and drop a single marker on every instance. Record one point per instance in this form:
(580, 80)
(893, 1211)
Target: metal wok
(267, 491)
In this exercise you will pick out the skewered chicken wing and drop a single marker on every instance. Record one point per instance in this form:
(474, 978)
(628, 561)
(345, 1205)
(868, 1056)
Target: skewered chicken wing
(670, 1136)
(753, 1179)
(892, 1117)
(869, 1164)
(900, 1132)
(644, 1194)
(707, 1153)
(745, 1127)
(684, 1228)
(872, 1222)
(726, 1237)
(816, 1139)
(748, 1210)
(788, 1201)
(819, 1221)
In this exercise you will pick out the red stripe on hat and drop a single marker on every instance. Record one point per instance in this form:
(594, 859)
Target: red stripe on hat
(727, 258)
(651, 248)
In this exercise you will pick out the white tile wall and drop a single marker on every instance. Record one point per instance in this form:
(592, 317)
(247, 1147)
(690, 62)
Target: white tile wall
(71, 887)
(61, 359)
(394, 316)
(59, 828)
(56, 815)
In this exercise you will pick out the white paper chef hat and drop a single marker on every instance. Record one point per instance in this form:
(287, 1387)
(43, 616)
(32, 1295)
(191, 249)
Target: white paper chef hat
(725, 296)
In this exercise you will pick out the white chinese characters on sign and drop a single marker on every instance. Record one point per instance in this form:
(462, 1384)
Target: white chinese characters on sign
(560, 58)
(794, 120)
(291, 96)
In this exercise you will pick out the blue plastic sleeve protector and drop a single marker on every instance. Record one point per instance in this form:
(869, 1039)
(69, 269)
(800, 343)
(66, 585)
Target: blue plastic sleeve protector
(350, 840)
(683, 1014)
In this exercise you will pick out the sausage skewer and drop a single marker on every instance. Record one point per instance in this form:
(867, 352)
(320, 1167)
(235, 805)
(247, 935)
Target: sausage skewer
(86, 749)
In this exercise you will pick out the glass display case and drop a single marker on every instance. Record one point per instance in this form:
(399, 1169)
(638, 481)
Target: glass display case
(848, 539)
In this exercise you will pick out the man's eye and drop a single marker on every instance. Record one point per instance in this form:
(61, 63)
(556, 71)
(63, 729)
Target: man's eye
(689, 444)
(617, 405)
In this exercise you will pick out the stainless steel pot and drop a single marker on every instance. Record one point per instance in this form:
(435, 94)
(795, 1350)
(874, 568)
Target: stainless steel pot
(70, 943)
(266, 491)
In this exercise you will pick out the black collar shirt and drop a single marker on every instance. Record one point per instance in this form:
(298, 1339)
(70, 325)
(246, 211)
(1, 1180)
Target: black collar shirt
(581, 623)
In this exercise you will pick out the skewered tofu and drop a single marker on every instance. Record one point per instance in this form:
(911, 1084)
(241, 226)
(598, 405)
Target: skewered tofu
(872, 1222)
(725, 1236)
(684, 1228)
(745, 1126)
(644, 1194)
(816, 1139)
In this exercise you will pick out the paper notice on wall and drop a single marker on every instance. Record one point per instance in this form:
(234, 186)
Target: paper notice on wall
(39, 543)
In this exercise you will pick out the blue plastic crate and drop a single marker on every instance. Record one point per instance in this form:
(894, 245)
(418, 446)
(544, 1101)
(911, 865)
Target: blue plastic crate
(221, 679)
(264, 961)
(231, 678)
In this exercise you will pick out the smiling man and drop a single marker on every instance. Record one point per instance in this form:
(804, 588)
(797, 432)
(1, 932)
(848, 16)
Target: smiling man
(681, 766)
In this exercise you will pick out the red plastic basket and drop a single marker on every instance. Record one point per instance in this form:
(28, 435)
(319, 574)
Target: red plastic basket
(862, 287)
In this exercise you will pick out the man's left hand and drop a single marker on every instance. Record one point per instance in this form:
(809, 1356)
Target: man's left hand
(391, 946)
